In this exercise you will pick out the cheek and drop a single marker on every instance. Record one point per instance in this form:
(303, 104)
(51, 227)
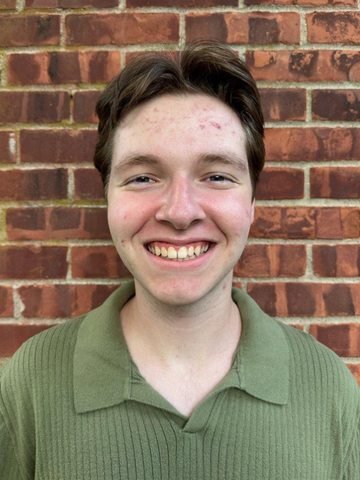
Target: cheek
(125, 217)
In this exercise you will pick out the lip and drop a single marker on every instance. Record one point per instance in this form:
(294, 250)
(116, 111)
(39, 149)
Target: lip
(178, 242)
(166, 264)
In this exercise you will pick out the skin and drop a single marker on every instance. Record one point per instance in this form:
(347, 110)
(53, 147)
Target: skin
(179, 317)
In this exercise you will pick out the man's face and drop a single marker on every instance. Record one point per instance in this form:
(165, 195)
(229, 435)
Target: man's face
(180, 179)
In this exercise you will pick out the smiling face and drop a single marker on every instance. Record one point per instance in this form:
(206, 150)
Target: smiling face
(180, 182)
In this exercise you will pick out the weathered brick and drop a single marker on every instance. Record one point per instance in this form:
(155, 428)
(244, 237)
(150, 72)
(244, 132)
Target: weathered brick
(280, 183)
(343, 339)
(6, 302)
(282, 104)
(333, 27)
(180, 3)
(336, 260)
(304, 222)
(304, 65)
(335, 182)
(33, 184)
(271, 261)
(57, 146)
(312, 144)
(122, 28)
(41, 107)
(97, 262)
(336, 105)
(13, 335)
(84, 106)
(46, 68)
(71, 3)
(88, 184)
(307, 299)
(51, 301)
(355, 370)
(7, 4)
(56, 223)
(31, 262)
(302, 2)
(7, 147)
(30, 30)
(252, 27)
(336, 222)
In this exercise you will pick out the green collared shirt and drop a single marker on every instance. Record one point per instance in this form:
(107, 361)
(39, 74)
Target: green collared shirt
(73, 405)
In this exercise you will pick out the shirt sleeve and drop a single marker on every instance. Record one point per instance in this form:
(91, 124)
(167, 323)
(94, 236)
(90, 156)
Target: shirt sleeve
(352, 471)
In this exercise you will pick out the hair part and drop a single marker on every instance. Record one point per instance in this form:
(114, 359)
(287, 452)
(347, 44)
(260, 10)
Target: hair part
(203, 67)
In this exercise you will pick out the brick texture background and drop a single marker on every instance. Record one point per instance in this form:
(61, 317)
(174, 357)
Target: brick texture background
(302, 262)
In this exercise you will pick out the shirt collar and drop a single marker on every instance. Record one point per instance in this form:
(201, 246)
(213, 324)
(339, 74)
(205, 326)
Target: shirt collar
(102, 361)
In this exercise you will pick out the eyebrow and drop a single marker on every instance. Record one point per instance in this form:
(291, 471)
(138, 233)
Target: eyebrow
(134, 160)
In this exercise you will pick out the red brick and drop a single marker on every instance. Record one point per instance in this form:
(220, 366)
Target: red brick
(304, 222)
(84, 106)
(355, 370)
(307, 299)
(7, 4)
(180, 3)
(6, 302)
(252, 27)
(54, 301)
(336, 260)
(333, 27)
(7, 147)
(46, 68)
(30, 30)
(282, 104)
(57, 146)
(280, 183)
(33, 184)
(304, 65)
(312, 144)
(302, 2)
(56, 223)
(42, 107)
(343, 339)
(272, 261)
(122, 28)
(97, 262)
(336, 105)
(71, 3)
(31, 262)
(88, 184)
(13, 335)
(335, 182)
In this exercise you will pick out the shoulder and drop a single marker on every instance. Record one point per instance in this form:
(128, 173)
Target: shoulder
(39, 357)
(323, 368)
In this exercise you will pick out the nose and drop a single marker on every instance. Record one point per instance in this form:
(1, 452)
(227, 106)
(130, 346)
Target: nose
(180, 205)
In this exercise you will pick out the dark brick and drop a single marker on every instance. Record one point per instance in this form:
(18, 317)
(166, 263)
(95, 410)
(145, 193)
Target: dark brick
(57, 146)
(84, 106)
(71, 3)
(343, 339)
(6, 302)
(280, 183)
(281, 104)
(30, 30)
(33, 184)
(32, 262)
(97, 262)
(88, 184)
(336, 260)
(333, 27)
(180, 3)
(39, 107)
(336, 182)
(13, 335)
(336, 105)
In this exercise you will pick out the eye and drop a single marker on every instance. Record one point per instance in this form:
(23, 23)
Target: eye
(140, 179)
(220, 178)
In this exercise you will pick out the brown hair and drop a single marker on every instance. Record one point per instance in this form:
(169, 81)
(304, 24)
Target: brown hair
(204, 66)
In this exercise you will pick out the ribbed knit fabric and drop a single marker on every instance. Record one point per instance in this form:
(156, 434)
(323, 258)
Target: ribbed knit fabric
(73, 407)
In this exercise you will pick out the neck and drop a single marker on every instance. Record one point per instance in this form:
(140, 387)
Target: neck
(182, 338)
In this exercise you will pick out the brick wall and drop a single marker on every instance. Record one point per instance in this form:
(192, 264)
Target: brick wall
(302, 264)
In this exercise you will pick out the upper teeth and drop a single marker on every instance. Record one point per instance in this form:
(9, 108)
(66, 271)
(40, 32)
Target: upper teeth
(182, 253)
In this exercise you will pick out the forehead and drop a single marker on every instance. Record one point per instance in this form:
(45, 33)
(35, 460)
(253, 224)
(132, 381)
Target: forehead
(175, 126)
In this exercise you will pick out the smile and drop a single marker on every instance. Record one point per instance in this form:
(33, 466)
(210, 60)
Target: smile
(178, 253)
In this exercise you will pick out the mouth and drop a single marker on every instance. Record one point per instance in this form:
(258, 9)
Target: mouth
(179, 253)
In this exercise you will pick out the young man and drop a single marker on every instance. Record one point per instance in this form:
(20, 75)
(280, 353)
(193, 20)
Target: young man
(178, 375)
